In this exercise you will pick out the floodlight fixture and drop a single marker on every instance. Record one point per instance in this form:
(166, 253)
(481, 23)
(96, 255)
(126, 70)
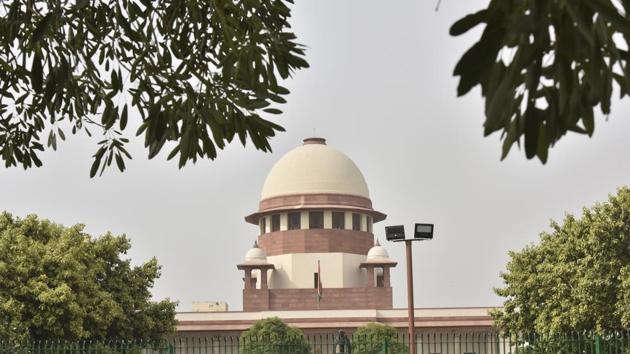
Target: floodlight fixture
(423, 231)
(395, 233)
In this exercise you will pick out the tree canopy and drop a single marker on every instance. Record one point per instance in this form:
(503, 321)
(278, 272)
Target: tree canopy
(545, 66)
(60, 283)
(198, 73)
(370, 339)
(272, 335)
(577, 278)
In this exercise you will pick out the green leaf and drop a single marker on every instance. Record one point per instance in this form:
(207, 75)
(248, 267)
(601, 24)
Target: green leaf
(272, 110)
(123, 118)
(120, 163)
(469, 21)
(42, 27)
(532, 130)
(510, 138)
(500, 107)
(97, 162)
(257, 104)
(589, 120)
(35, 159)
(475, 63)
(543, 147)
(37, 73)
(114, 81)
(107, 116)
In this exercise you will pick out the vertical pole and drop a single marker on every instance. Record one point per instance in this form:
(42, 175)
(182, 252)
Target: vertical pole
(410, 307)
(598, 344)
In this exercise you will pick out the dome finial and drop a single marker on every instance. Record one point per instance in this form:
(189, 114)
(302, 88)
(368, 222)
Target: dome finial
(377, 243)
(314, 140)
(255, 244)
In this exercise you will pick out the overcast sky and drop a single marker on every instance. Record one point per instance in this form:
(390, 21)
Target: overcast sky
(380, 90)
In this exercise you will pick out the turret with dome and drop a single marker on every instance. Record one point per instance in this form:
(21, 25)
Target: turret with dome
(315, 208)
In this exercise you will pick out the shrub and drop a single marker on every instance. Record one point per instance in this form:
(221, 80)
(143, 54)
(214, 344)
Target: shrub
(371, 338)
(272, 336)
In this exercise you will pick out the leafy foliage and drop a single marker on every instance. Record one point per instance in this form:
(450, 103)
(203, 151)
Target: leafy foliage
(271, 335)
(59, 283)
(544, 66)
(611, 342)
(369, 339)
(197, 72)
(576, 278)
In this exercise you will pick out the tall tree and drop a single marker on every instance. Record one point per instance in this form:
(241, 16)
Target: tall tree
(545, 66)
(198, 73)
(58, 282)
(577, 278)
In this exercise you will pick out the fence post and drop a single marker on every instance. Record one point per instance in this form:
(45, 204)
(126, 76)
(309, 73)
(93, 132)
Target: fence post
(598, 344)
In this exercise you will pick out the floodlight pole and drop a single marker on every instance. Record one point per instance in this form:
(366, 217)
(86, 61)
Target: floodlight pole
(410, 306)
(397, 233)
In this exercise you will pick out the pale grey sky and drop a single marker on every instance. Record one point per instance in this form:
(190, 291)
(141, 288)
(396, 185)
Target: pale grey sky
(379, 89)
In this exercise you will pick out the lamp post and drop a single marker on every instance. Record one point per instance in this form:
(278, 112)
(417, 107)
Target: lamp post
(397, 234)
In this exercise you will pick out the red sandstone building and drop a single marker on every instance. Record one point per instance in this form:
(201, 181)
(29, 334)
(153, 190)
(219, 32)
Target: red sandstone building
(315, 221)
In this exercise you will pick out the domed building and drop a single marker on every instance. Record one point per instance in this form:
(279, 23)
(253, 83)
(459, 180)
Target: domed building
(315, 262)
(315, 222)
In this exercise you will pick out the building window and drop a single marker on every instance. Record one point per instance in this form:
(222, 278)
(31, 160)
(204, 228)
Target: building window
(369, 224)
(338, 220)
(263, 225)
(295, 221)
(275, 222)
(356, 222)
(316, 220)
(380, 283)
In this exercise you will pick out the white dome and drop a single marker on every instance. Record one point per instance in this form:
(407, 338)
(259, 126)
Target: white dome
(255, 254)
(314, 168)
(377, 252)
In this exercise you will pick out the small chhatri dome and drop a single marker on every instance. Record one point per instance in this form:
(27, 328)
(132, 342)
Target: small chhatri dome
(255, 254)
(377, 252)
(314, 168)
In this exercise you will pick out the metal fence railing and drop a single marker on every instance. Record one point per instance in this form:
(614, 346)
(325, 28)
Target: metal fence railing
(426, 343)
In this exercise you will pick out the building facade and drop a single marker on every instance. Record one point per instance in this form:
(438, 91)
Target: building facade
(315, 248)
(315, 262)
